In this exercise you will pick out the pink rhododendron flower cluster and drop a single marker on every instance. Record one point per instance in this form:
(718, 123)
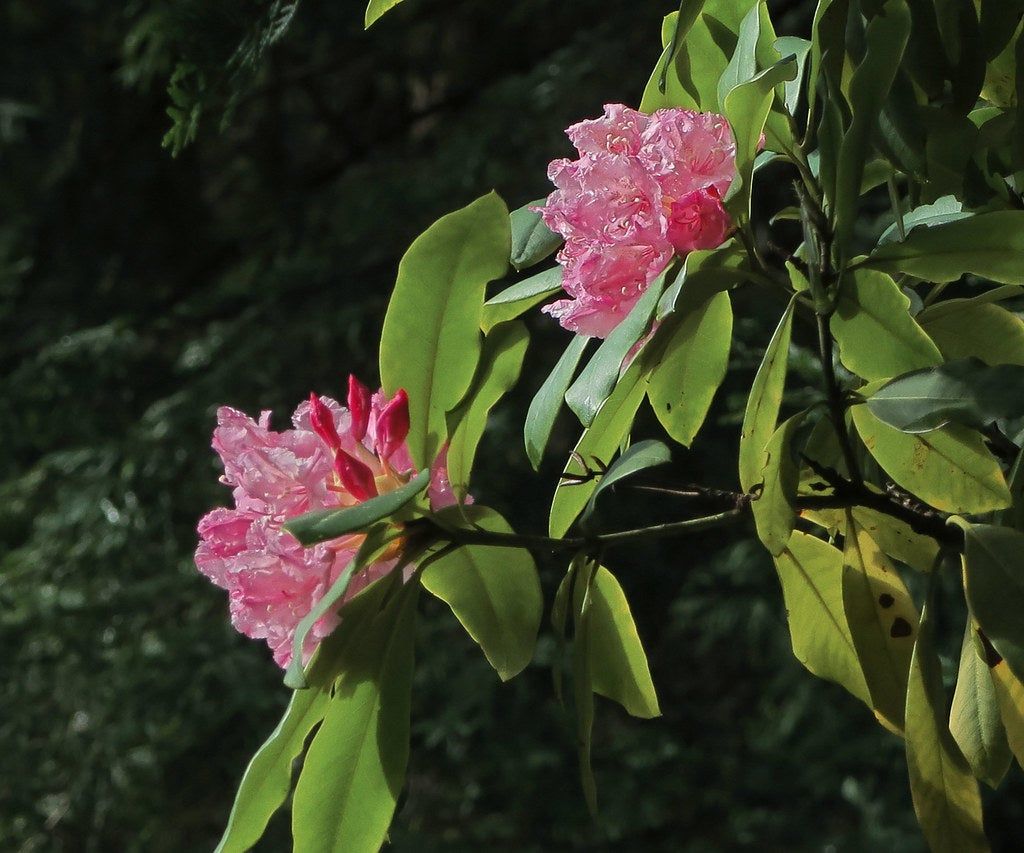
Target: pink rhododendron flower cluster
(645, 187)
(332, 457)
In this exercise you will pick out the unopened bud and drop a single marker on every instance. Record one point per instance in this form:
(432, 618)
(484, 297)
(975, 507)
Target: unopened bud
(359, 407)
(393, 424)
(322, 420)
(355, 476)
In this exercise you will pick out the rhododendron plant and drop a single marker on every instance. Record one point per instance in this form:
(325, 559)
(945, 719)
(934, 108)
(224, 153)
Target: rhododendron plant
(905, 459)
(332, 456)
(644, 188)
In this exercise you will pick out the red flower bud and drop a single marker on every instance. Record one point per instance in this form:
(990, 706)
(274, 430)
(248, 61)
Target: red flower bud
(355, 476)
(359, 407)
(322, 420)
(393, 424)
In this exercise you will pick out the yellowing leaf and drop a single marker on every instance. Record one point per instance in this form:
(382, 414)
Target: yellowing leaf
(882, 620)
(949, 468)
(811, 572)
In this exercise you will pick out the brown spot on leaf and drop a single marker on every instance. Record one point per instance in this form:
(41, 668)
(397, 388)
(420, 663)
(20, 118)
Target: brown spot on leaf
(900, 628)
(886, 600)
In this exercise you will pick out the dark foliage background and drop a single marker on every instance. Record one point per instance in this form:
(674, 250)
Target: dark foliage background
(138, 292)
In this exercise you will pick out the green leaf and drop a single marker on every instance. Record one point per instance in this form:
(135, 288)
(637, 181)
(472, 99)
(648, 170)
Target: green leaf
(762, 411)
(582, 680)
(894, 537)
(559, 618)
(747, 107)
(743, 63)
(968, 328)
(692, 70)
(950, 468)
(520, 298)
(695, 363)
(532, 240)
(990, 245)
(494, 592)
(376, 10)
(974, 718)
(502, 359)
(877, 336)
(546, 404)
(811, 572)
(799, 48)
(774, 513)
(679, 23)
(886, 40)
(883, 622)
(1010, 695)
(598, 378)
(618, 664)
(267, 779)
(963, 391)
(703, 274)
(430, 343)
(637, 457)
(945, 209)
(323, 524)
(945, 793)
(376, 541)
(355, 765)
(994, 582)
(598, 443)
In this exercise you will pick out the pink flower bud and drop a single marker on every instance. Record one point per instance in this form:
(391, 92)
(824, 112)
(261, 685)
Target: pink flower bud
(393, 424)
(359, 407)
(355, 476)
(322, 420)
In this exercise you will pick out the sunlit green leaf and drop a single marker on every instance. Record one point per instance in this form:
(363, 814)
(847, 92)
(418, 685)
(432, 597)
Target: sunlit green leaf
(323, 524)
(974, 718)
(742, 65)
(973, 328)
(944, 791)
(811, 572)
(963, 391)
(747, 107)
(949, 468)
(546, 404)
(267, 779)
(597, 445)
(637, 457)
(873, 309)
(882, 619)
(618, 664)
(894, 537)
(376, 9)
(695, 362)
(945, 209)
(774, 513)
(500, 363)
(532, 240)
(703, 274)
(355, 765)
(1010, 695)
(520, 298)
(494, 592)
(762, 410)
(598, 378)
(989, 244)
(430, 343)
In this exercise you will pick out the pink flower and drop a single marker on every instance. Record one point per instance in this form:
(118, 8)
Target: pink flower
(643, 189)
(328, 459)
